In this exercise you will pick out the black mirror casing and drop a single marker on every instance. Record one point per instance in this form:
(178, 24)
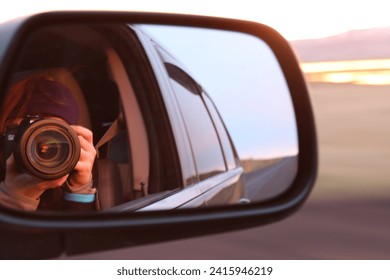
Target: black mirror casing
(40, 235)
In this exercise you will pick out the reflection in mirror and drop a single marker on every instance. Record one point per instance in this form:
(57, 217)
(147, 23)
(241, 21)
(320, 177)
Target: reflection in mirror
(243, 77)
(121, 117)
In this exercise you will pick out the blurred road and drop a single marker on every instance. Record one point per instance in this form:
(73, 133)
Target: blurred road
(358, 229)
(271, 180)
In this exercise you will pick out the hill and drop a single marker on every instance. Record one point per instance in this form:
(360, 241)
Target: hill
(353, 45)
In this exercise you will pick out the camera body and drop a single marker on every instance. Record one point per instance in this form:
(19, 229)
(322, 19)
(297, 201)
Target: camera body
(47, 148)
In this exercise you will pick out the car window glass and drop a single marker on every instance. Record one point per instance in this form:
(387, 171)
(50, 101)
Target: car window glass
(226, 143)
(200, 128)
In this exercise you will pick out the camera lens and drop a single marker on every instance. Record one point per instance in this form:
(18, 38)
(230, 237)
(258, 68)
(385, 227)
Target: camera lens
(50, 149)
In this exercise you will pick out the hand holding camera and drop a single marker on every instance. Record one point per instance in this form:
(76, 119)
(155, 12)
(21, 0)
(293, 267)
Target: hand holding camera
(43, 153)
(43, 148)
(81, 175)
(47, 148)
(25, 186)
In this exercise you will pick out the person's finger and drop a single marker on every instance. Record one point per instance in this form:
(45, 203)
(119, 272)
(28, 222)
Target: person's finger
(87, 146)
(11, 165)
(84, 132)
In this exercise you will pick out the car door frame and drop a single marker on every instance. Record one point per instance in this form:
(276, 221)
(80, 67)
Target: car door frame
(195, 192)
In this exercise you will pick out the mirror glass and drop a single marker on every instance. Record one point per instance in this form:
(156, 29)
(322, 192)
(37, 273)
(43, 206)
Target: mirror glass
(123, 117)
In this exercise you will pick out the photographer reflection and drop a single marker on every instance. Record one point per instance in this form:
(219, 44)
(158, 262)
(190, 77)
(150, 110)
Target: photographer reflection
(47, 159)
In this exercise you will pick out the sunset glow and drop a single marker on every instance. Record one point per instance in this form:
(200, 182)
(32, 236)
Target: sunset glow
(368, 72)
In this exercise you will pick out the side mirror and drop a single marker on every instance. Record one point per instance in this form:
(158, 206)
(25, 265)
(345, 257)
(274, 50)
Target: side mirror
(202, 125)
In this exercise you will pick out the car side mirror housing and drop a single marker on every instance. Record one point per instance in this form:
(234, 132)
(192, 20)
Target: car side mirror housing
(165, 214)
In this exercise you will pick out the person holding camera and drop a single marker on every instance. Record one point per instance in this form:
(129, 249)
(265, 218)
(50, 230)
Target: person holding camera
(47, 158)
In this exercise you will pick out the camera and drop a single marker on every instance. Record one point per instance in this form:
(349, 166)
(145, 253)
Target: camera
(47, 148)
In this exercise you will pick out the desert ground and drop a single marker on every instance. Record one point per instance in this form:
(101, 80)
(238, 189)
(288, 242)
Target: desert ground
(353, 132)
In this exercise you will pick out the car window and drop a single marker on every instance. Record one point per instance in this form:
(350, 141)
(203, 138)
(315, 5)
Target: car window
(201, 131)
(228, 150)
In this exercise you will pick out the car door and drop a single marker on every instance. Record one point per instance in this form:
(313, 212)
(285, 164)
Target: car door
(212, 174)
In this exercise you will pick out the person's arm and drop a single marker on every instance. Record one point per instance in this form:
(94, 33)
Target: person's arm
(81, 198)
(22, 191)
(14, 200)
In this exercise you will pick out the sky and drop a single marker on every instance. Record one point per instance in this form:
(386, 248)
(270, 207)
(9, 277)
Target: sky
(297, 19)
(245, 82)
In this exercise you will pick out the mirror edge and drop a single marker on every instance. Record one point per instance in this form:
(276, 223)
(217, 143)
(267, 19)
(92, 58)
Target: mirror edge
(182, 223)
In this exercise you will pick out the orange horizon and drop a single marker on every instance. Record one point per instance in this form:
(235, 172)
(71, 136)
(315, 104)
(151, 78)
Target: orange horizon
(362, 72)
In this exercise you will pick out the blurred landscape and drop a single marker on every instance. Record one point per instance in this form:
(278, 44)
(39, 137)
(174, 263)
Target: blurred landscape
(250, 165)
(352, 114)
(353, 124)
(353, 45)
